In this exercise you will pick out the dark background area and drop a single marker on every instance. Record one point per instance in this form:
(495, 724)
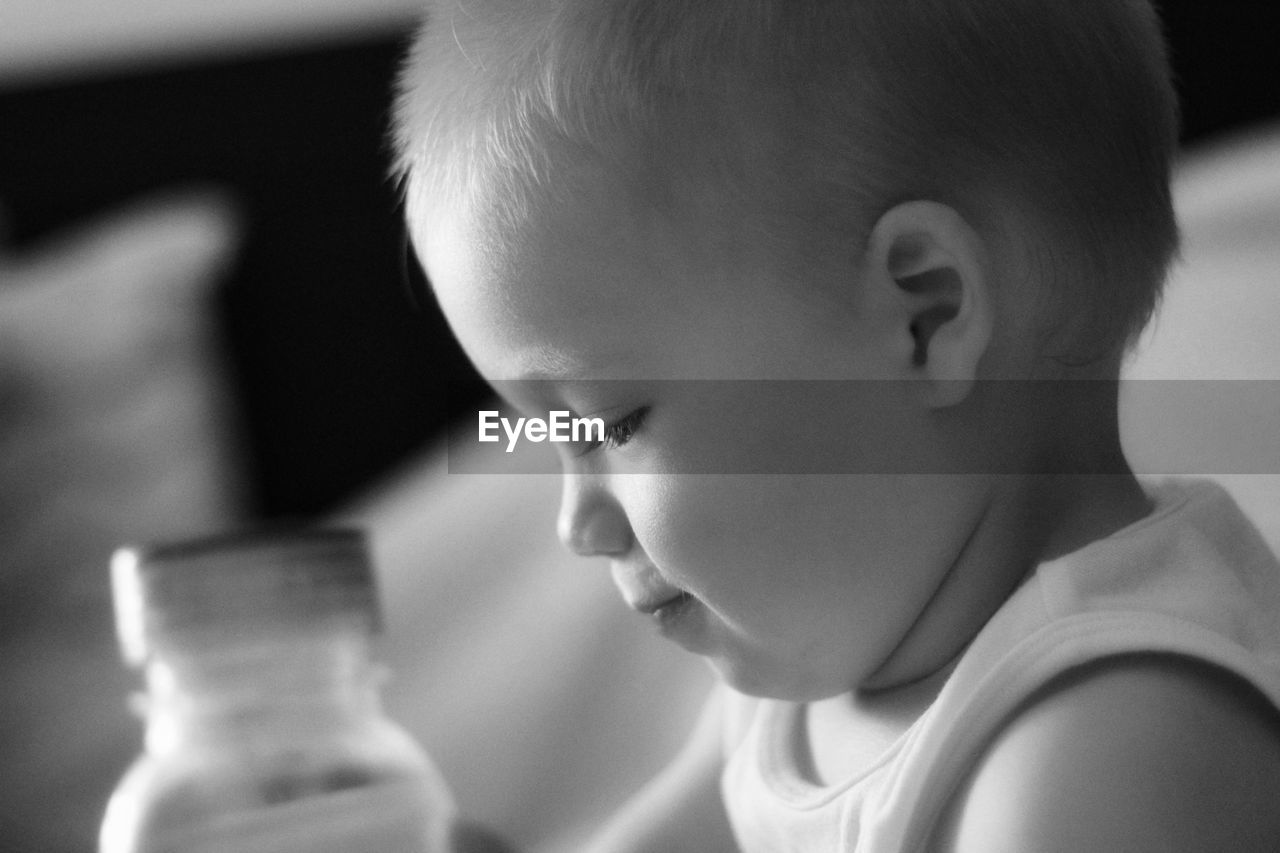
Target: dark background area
(337, 376)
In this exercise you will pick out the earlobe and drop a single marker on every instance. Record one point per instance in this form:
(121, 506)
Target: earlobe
(933, 265)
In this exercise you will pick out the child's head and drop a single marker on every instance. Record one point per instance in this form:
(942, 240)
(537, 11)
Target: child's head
(1049, 124)
(866, 189)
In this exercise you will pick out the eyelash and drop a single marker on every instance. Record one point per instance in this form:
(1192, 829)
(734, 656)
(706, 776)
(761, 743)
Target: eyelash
(620, 431)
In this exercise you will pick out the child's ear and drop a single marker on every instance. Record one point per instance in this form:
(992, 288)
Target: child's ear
(929, 276)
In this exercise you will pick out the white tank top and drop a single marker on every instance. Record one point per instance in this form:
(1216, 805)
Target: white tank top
(1193, 578)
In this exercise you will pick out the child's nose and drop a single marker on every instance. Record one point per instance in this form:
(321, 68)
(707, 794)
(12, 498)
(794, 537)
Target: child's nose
(591, 522)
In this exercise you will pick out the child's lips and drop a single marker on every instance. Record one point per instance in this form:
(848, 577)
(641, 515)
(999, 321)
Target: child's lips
(673, 610)
(672, 614)
(646, 591)
(643, 588)
(653, 605)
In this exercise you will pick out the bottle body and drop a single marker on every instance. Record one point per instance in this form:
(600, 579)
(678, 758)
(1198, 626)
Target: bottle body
(269, 737)
(275, 750)
(384, 818)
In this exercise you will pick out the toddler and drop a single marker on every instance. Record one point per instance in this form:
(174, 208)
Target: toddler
(849, 283)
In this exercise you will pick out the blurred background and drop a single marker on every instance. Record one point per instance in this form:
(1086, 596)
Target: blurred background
(283, 108)
(204, 321)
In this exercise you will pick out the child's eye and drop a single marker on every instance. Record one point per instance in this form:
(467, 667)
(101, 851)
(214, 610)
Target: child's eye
(620, 431)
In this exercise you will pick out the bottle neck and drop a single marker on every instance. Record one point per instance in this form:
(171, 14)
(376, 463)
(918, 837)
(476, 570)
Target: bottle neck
(279, 686)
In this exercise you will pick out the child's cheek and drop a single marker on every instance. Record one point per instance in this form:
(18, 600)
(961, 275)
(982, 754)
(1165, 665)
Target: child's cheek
(702, 532)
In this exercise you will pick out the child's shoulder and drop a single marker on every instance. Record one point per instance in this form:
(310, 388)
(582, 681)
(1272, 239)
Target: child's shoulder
(1141, 752)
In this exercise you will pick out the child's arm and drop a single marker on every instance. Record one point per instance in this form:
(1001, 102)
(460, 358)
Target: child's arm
(681, 809)
(1141, 753)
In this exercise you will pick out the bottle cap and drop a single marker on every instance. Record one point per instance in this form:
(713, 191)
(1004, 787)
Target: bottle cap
(238, 585)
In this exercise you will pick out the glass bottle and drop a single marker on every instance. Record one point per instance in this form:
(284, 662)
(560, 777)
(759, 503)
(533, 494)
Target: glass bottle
(264, 726)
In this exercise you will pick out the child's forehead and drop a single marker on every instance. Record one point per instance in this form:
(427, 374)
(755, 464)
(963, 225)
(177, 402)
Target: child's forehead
(705, 197)
(589, 283)
(580, 204)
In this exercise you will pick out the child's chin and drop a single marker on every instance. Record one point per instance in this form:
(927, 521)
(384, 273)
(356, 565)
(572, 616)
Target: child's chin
(777, 681)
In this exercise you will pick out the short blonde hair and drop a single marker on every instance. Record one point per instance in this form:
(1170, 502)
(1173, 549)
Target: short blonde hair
(829, 112)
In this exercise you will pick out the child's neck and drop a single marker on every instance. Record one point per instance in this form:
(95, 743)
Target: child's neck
(1090, 508)
(846, 734)
(1025, 519)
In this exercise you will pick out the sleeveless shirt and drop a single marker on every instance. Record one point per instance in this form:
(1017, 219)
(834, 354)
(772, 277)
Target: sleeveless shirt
(1193, 578)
